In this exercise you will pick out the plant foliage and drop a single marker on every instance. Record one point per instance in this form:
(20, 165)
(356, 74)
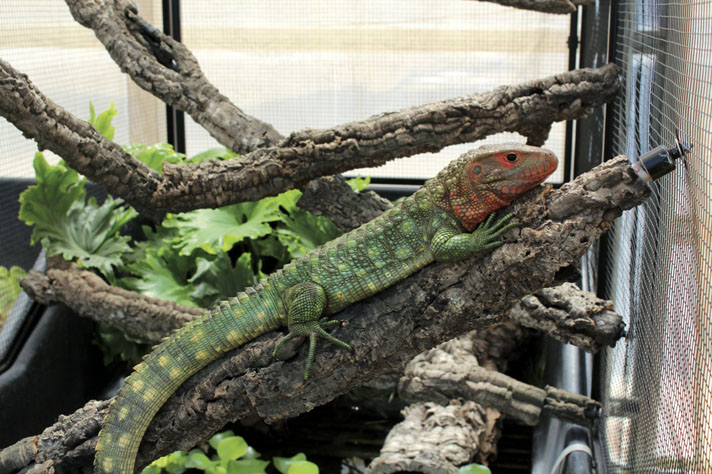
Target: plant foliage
(230, 454)
(9, 289)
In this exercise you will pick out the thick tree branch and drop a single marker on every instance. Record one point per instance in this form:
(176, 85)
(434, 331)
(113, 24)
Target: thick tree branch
(546, 6)
(139, 316)
(528, 108)
(167, 69)
(434, 305)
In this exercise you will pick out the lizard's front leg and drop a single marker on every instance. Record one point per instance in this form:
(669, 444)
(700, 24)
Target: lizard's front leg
(305, 303)
(448, 244)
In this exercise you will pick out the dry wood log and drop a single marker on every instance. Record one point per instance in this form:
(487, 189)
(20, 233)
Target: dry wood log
(528, 108)
(434, 305)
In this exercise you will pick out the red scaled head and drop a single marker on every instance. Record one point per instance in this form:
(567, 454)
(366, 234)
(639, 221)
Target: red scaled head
(488, 178)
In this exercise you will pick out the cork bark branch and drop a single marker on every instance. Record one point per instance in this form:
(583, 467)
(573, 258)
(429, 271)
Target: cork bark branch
(434, 305)
(529, 108)
(167, 69)
(545, 6)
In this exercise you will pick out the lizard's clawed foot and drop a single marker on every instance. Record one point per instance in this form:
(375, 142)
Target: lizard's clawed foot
(313, 330)
(487, 232)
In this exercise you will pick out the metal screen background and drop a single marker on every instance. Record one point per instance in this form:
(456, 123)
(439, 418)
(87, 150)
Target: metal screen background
(656, 383)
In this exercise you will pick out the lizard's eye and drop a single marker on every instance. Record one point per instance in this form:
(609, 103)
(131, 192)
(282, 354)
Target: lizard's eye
(512, 157)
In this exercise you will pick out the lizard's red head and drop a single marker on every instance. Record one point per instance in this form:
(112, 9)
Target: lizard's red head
(484, 180)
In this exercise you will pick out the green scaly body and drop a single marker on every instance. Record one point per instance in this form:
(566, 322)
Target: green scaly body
(434, 224)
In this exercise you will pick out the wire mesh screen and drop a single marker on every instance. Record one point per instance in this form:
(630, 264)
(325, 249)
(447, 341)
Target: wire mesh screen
(322, 63)
(657, 383)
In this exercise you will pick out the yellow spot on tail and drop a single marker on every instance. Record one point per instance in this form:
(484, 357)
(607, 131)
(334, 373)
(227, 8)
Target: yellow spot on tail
(197, 336)
(261, 315)
(174, 373)
(201, 355)
(123, 413)
(150, 395)
(233, 336)
(371, 286)
(108, 464)
(163, 360)
(137, 385)
(124, 441)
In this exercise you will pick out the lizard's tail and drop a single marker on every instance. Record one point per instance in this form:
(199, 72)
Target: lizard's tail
(226, 326)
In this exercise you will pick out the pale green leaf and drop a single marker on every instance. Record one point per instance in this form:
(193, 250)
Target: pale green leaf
(102, 123)
(155, 155)
(212, 154)
(232, 448)
(303, 231)
(474, 469)
(247, 466)
(217, 437)
(303, 467)
(282, 464)
(9, 289)
(359, 183)
(162, 274)
(217, 279)
(212, 230)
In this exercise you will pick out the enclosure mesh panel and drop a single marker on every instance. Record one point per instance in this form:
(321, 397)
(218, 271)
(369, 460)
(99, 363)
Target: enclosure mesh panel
(656, 383)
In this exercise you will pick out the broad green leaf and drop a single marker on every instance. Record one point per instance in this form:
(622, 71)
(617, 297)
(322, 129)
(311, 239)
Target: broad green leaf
(155, 155)
(282, 464)
(359, 183)
(46, 204)
(162, 274)
(303, 467)
(232, 448)
(9, 289)
(251, 454)
(216, 279)
(68, 226)
(217, 437)
(102, 123)
(158, 240)
(114, 342)
(303, 231)
(474, 469)
(212, 154)
(219, 229)
(198, 460)
(247, 466)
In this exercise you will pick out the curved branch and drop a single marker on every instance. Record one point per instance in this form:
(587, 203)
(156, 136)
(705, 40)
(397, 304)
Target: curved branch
(167, 69)
(434, 305)
(528, 108)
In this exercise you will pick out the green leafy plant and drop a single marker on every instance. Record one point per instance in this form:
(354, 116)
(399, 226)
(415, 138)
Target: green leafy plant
(474, 469)
(9, 289)
(195, 258)
(102, 123)
(69, 225)
(230, 454)
(359, 183)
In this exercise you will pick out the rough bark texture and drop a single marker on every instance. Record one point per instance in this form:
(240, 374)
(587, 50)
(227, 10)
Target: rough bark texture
(167, 69)
(139, 316)
(571, 316)
(546, 6)
(332, 197)
(435, 439)
(385, 331)
(442, 375)
(451, 441)
(528, 108)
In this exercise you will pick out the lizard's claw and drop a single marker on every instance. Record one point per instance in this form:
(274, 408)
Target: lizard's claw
(487, 233)
(313, 330)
